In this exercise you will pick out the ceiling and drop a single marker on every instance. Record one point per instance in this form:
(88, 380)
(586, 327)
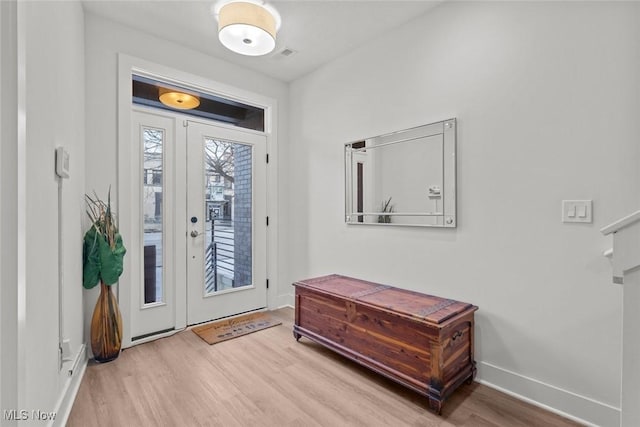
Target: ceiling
(317, 31)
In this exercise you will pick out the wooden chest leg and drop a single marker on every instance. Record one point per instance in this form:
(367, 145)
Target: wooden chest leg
(296, 322)
(435, 383)
(435, 404)
(434, 394)
(474, 370)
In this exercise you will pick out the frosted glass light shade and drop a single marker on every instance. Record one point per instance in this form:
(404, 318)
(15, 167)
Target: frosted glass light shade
(179, 100)
(247, 28)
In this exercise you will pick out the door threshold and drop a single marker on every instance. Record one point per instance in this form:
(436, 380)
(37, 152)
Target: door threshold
(141, 339)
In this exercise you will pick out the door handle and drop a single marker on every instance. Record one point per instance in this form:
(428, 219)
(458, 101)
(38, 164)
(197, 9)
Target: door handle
(194, 233)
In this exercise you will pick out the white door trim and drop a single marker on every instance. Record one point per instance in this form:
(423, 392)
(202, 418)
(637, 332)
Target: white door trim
(128, 65)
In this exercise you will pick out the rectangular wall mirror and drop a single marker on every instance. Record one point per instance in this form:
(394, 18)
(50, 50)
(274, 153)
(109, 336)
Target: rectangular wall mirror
(403, 178)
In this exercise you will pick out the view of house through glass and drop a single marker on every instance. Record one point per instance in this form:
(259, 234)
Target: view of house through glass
(152, 190)
(228, 181)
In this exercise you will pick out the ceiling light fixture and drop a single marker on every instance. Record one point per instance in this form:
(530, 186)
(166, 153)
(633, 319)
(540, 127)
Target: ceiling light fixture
(176, 99)
(247, 27)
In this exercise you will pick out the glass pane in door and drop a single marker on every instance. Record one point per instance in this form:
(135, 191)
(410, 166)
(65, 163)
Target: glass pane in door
(228, 204)
(152, 190)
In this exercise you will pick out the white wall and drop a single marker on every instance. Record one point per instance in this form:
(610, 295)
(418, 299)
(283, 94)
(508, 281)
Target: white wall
(54, 117)
(105, 39)
(42, 107)
(8, 205)
(547, 105)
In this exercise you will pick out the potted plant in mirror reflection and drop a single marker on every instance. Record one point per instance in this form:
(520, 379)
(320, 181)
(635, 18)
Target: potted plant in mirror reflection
(385, 207)
(103, 256)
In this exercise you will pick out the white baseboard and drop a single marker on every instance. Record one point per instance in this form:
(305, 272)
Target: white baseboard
(70, 390)
(286, 300)
(570, 405)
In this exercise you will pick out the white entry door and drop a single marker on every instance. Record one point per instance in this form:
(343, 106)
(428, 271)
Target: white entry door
(152, 247)
(214, 178)
(226, 221)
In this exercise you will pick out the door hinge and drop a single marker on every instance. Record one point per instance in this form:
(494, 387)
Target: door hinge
(185, 123)
(267, 221)
(267, 157)
(267, 283)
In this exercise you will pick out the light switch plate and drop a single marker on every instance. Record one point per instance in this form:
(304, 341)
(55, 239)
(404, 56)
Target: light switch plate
(577, 211)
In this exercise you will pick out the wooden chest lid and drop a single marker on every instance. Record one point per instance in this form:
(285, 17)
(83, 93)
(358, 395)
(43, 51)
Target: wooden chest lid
(430, 308)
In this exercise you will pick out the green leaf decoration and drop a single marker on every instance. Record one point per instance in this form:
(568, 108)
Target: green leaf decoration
(111, 260)
(91, 259)
(103, 249)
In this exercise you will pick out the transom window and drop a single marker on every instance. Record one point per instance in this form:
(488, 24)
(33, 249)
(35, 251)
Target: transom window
(146, 92)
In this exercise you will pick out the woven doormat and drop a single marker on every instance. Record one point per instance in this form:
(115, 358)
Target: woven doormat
(227, 329)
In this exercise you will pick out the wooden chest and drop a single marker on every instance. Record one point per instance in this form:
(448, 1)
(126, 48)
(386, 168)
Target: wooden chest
(421, 341)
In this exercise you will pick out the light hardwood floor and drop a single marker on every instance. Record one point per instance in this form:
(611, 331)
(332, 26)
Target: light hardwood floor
(269, 379)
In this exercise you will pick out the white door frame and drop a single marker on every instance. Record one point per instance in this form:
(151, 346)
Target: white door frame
(127, 66)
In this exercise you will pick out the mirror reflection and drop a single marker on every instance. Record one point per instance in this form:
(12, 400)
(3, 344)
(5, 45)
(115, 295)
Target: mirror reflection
(403, 178)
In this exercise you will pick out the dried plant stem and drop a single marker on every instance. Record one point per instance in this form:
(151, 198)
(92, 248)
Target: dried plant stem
(101, 217)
